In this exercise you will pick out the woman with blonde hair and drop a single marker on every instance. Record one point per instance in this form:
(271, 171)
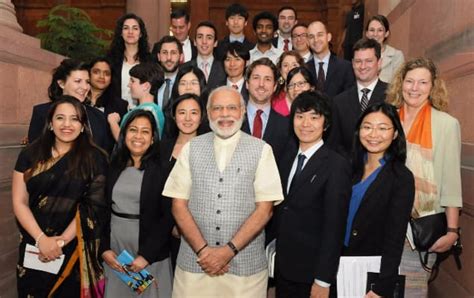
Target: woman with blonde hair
(433, 155)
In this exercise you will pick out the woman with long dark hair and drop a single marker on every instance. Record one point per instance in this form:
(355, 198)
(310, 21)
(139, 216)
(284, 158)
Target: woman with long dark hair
(128, 48)
(188, 114)
(382, 194)
(189, 80)
(139, 220)
(58, 200)
(71, 77)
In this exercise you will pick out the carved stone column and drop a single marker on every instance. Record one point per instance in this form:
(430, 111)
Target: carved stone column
(8, 16)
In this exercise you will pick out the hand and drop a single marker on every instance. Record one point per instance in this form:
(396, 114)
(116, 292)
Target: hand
(319, 292)
(444, 243)
(113, 118)
(214, 260)
(138, 264)
(371, 294)
(49, 248)
(110, 258)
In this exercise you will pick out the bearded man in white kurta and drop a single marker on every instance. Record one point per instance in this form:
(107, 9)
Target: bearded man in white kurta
(224, 186)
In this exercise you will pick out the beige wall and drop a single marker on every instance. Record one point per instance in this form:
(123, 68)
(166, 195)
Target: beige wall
(25, 73)
(444, 31)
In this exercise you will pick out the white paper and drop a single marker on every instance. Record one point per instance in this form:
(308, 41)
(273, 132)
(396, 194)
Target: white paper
(352, 275)
(270, 254)
(31, 261)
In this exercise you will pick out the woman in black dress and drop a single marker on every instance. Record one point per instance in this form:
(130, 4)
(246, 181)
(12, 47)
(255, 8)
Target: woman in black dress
(58, 200)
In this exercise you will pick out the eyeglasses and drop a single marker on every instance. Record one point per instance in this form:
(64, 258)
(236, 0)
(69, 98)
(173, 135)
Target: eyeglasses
(299, 84)
(230, 108)
(302, 35)
(193, 83)
(367, 129)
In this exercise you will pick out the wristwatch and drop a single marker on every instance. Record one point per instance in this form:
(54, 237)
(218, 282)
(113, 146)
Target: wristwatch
(454, 230)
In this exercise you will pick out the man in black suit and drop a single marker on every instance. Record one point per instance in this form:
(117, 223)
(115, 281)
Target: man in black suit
(206, 34)
(287, 19)
(348, 106)
(180, 25)
(262, 121)
(332, 74)
(312, 218)
(236, 58)
(236, 16)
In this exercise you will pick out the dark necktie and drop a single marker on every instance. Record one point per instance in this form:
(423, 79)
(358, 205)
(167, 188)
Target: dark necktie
(285, 44)
(299, 168)
(166, 93)
(235, 86)
(321, 79)
(258, 125)
(364, 102)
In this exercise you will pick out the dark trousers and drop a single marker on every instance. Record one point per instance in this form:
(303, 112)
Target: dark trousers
(290, 289)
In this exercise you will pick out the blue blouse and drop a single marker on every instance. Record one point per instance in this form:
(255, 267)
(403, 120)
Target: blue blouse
(358, 193)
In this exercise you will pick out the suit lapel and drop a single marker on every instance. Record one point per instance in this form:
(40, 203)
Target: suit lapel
(331, 70)
(311, 170)
(374, 188)
(354, 103)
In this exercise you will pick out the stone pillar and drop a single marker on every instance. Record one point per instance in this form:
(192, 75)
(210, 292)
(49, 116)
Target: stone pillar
(155, 14)
(8, 16)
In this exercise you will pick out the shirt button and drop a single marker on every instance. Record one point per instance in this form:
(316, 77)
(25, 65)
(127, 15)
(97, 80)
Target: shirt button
(218, 212)
(218, 243)
(219, 195)
(354, 232)
(218, 228)
(221, 179)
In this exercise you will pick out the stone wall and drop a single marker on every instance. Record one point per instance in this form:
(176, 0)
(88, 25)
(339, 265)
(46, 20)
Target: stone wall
(25, 73)
(444, 31)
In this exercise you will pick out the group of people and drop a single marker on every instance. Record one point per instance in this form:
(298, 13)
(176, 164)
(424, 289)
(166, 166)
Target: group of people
(197, 155)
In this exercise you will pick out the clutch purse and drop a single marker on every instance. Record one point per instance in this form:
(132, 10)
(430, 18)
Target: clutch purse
(427, 229)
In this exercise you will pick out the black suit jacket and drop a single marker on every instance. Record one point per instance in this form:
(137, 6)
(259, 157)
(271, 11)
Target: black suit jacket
(219, 52)
(155, 214)
(380, 224)
(311, 220)
(96, 118)
(345, 114)
(217, 75)
(339, 78)
(276, 133)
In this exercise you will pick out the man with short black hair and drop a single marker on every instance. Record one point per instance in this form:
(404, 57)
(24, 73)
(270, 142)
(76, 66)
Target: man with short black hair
(206, 34)
(236, 58)
(168, 53)
(287, 19)
(312, 219)
(264, 25)
(349, 105)
(180, 26)
(236, 16)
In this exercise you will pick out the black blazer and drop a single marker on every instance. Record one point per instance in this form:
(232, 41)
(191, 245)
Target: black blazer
(311, 220)
(155, 214)
(339, 78)
(96, 119)
(345, 114)
(276, 134)
(380, 224)
(217, 75)
(219, 52)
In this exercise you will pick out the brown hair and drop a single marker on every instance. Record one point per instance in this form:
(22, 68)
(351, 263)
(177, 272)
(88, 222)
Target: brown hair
(438, 95)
